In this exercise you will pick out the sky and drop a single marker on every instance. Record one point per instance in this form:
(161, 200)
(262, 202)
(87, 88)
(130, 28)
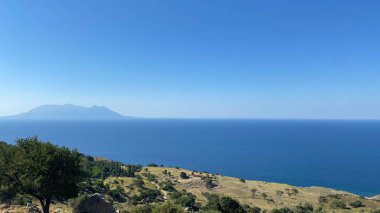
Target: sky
(286, 59)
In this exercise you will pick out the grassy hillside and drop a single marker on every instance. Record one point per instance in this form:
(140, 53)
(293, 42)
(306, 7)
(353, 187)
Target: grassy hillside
(141, 189)
(264, 195)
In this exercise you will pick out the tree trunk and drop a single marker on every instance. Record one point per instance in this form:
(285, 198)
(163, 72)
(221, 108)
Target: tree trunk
(46, 207)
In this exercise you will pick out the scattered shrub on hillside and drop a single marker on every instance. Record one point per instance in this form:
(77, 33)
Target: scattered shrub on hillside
(338, 204)
(249, 209)
(242, 180)
(168, 207)
(151, 177)
(117, 194)
(209, 182)
(279, 192)
(292, 191)
(142, 209)
(282, 210)
(150, 195)
(322, 199)
(103, 169)
(183, 175)
(138, 183)
(168, 186)
(165, 172)
(254, 191)
(304, 208)
(183, 198)
(356, 204)
(152, 165)
(376, 211)
(264, 195)
(223, 204)
(335, 196)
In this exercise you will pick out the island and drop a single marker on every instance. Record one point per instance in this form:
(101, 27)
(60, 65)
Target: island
(68, 112)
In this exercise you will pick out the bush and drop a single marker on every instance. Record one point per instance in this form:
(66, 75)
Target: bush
(168, 208)
(338, 204)
(142, 209)
(150, 177)
(168, 186)
(223, 204)
(304, 208)
(282, 210)
(138, 182)
(322, 199)
(149, 195)
(117, 194)
(209, 183)
(254, 209)
(183, 175)
(356, 204)
(183, 198)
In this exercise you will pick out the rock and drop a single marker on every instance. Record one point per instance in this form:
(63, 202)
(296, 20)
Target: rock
(29, 204)
(4, 206)
(94, 204)
(34, 209)
(58, 210)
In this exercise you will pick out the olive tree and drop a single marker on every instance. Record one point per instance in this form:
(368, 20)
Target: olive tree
(40, 169)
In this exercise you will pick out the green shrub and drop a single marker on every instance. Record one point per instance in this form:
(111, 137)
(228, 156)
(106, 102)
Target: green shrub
(223, 204)
(304, 208)
(168, 186)
(282, 210)
(356, 204)
(338, 204)
(168, 208)
(183, 198)
(322, 199)
(183, 175)
(142, 209)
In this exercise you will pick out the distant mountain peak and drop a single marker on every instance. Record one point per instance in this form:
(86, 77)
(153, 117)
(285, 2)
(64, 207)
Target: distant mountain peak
(69, 112)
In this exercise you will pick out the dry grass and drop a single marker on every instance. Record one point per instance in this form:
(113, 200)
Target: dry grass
(266, 195)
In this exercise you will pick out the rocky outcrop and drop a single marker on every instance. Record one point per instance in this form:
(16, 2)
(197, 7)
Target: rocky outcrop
(377, 197)
(94, 204)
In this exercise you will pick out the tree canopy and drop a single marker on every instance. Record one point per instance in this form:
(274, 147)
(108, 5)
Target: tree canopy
(39, 169)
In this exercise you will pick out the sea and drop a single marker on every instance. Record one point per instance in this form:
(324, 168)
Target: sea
(339, 154)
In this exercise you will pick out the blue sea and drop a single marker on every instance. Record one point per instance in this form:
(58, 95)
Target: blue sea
(337, 154)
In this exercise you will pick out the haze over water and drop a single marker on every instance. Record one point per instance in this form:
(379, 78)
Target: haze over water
(337, 154)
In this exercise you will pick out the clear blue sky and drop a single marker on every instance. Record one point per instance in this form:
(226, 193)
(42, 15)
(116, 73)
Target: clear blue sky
(193, 58)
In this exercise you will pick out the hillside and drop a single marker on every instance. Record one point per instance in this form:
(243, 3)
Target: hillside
(68, 112)
(138, 189)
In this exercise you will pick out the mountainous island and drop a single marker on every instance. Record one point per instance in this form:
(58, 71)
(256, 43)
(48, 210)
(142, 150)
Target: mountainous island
(68, 112)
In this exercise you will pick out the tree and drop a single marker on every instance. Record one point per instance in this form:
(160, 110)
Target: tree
(183, 175)
(41, 170)
(223, 204)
